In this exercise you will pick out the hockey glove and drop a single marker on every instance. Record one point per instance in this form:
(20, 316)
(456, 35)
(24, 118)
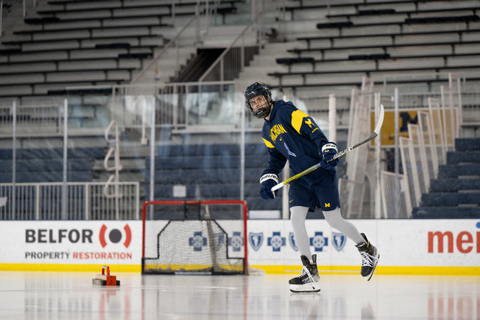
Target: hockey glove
(267, 181)
(328, 151)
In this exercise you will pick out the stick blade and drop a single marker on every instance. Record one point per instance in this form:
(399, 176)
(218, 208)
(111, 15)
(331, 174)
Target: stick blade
(380, 120)
(278, 186)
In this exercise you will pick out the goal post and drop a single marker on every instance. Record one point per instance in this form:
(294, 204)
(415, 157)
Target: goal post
(194, 236)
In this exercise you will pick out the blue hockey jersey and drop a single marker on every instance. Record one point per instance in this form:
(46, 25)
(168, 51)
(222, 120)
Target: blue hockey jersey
(291, 134)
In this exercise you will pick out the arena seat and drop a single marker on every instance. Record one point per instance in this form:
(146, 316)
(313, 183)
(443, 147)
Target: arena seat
(455, 170)
(47, 176)
(52, 153)
(50, 165)
(401, 24)
(457, 157)
(209, 150)
(407, 13)
(449, 199)
(454, 185)
(339, 60)
(389, 37)
(90, 32)
(445, 213)
(374, 39)
(383, 47)
(46, 165)
(454, 195)
(357, 6)
(208, 171)
(88, 43)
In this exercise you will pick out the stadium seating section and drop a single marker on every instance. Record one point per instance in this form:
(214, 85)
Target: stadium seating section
(85, 43)
(379, 38)
(328, 48)
(455, 193)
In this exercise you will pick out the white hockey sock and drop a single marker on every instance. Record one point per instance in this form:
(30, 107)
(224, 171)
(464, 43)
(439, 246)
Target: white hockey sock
(299, 214)
(335, 220)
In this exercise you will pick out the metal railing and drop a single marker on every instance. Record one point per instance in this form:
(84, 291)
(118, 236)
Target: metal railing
(426, 77)
(178, 105)
(85, 201)
(427, 145)
(360, 114)
(46, 119)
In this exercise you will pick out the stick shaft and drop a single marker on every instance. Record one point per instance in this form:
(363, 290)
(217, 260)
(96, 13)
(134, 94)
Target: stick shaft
(315, 167)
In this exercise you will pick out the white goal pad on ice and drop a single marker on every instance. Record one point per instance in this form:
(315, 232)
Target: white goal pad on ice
(194, 237)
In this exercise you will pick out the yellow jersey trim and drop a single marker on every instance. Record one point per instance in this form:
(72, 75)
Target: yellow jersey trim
(297, 119)
(268, 143)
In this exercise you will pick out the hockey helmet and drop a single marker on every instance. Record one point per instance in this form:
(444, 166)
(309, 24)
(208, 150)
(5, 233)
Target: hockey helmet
(257, 89)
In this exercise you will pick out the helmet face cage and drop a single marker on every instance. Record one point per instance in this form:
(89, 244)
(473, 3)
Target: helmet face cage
(257, 89)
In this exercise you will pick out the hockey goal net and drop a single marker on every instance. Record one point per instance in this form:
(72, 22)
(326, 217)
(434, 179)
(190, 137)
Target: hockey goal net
(206, 237)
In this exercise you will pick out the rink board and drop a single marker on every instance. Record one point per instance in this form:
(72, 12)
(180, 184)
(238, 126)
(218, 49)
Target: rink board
(405, 246)
(71, 245)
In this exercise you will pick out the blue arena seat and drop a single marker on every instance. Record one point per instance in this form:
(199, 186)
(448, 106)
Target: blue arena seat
(46, 165)
(456, 157)
(72, 176)
(446, 213)
(467, 144)
(194, 162)
(207, 162)
(198, 150)
(449, 199)
(454, 185)
(454, 195)
(454, 170)
(43, 153)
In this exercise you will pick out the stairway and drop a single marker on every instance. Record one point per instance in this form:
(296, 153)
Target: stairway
(456, 192)
(197, 66)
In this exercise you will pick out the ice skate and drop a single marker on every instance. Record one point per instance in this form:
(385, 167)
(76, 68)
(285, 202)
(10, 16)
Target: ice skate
(308, 280)
(369, 258)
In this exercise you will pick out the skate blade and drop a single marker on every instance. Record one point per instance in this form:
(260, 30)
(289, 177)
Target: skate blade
(307, 287)
(374, 266)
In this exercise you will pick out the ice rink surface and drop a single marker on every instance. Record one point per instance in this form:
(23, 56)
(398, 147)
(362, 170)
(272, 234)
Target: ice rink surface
(69, 295)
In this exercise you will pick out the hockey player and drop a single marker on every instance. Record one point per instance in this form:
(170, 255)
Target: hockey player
(292, 135)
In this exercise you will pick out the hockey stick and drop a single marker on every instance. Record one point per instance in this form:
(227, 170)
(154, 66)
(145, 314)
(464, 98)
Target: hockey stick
(374, 134)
